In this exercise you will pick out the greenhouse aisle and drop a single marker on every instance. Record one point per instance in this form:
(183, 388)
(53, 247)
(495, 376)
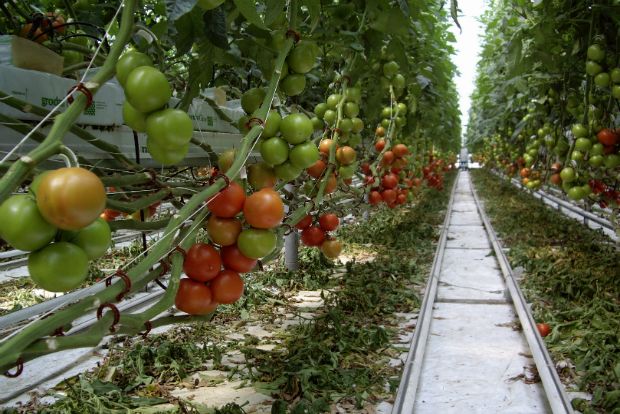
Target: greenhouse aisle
(475, 360)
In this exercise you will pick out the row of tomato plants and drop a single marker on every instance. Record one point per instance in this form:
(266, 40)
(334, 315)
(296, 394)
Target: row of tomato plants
(64, 231)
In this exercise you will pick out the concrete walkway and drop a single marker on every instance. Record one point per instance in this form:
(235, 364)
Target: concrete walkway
(476, 359)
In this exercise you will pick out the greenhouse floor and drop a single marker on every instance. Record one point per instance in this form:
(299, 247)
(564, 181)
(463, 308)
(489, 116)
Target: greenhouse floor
(476, 358)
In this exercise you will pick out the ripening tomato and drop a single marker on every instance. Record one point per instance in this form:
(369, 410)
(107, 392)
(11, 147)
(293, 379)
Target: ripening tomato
(332, 183)
(326, 145)
(380, 132)
(233, 259)
(261, 175)
(329, 222)
(202, 262)
(223, 231)
(264, 209)
(228, 202)
(312, 236)
(194, 298)
(304, 223)
(71, 198)
(331, 248)
(227, 287)
(346, 155)
(257, 243)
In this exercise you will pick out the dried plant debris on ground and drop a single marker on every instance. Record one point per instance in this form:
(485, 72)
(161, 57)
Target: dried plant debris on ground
(572, 278)
(326, 338)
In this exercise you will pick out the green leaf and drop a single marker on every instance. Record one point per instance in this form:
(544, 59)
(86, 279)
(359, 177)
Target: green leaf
(273, 10)
(177, 8)
(454, 8)
(248, 9)
(314, 10)
(215, 27)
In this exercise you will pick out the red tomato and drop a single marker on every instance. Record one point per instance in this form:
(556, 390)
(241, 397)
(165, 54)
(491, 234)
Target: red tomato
(202, 262)
(400, 150)
(223, 231)
(317, 169)
(194, 298)
(312, 236)
(374, 198)
(380, 145)
(389, 181)
(365, 167)
(607, 137)
(543, 328)
(389, 196)
(304, 223)
(264, 209)
(401, 199)
(227, 287)
(329, 222)
(388, 158)
(332, 183)
(233, 259)
(228, 202)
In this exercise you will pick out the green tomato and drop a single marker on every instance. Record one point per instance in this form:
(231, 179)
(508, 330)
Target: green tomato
(71, 57)
(287, 171)
(400, 121)
(296, 128)
(602, 80)
(274, 151)
(317, 123)
(385, 123)
(351, 109)
(568, 175)
(304, 155)
(242, 124)
(59, 267)
(353, 94)
(272, 124)
(94, 239)
(401, 108)
(256, 243)
(386, 112)
(209, 4)
(303, 57)
(358, 125)
(593, 68)
(575, 193)
(615, 91)
(583, 144)
(596, 53)
(398, 81)
(147, 89)
(346, 125)
(134, 119)
(612, 161)
(252, 99)
(166, 156)
(293, 85)
(128, 62)
(319, 109)
(330, 117)
(390, 69)
(579, 131)
(347, 171)
(615, 75)
(596, 160)
(333, 100)
(597, 149)
(169, 128)
(21, 224)
(561, 147)
(355, 140)
(577, 156)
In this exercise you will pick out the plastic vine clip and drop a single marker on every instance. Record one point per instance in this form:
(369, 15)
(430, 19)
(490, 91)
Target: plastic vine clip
(19, 368)
(254, 121)
(80, 87)
(294, 34)
(222, 176)
(114, 309)
(123, 275)
(148, 325)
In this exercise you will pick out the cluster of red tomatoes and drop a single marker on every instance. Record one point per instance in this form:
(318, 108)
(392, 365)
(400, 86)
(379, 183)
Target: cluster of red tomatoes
(58, 222)
(433, 172)
(317, 234)
(394, 185)
(213, 269)
(147, 91)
